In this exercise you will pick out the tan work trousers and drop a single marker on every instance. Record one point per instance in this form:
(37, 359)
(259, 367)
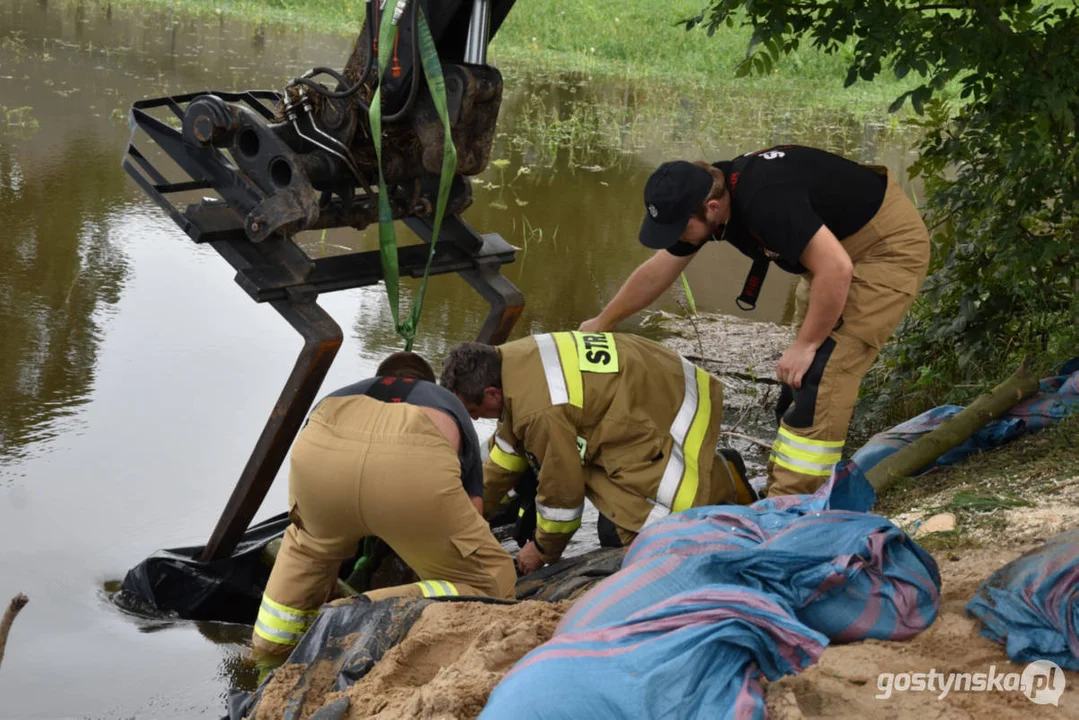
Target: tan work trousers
(728, 488)
(363, 467)
(891, 256)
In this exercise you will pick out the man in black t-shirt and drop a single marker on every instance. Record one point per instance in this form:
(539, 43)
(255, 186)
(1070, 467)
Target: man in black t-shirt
(858, 243)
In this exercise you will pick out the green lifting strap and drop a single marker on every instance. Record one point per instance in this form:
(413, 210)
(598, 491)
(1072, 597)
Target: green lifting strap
(387, 239)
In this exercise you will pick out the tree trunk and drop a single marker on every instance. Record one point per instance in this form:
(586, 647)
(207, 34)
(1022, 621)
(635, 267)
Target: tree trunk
(955, 431)
(1075, 292)
(17, 603)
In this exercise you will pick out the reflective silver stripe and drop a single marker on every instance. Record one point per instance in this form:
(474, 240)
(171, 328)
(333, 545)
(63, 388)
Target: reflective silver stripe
(676, 464)
(285, 638)
(559, 514)
(658, 513)
(286, 616)
(811, 466)
(505, 446)
(552, 368)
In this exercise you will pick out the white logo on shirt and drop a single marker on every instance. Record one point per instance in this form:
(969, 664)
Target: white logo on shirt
(653, 211)
(773, 154)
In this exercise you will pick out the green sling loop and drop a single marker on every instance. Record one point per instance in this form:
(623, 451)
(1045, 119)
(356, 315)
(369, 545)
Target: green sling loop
(387, 239)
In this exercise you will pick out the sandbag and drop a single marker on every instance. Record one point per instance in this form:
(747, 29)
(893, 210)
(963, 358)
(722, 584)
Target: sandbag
(1031, 605)
(710, 599)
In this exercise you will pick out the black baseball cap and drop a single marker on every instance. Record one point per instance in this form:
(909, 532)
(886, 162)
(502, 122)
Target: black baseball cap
(672, 194)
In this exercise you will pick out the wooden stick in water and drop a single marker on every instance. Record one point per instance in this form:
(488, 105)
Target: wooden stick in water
(17, 603)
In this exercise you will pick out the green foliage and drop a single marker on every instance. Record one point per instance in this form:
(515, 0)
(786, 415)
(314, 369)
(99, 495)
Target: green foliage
(999, 163)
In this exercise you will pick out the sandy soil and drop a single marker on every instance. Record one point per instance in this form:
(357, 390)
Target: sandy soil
(845, 682)
(445, 668)
(456, 653)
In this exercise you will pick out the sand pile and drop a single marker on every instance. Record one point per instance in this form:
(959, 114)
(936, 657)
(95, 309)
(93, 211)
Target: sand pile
(445, 668)
(844, 682)
(456, 653)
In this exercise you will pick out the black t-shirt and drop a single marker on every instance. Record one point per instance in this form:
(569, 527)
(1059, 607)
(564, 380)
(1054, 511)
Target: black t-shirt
(428, 394)
(782, 195)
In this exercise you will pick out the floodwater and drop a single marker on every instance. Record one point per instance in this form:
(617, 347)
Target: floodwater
(135, 375)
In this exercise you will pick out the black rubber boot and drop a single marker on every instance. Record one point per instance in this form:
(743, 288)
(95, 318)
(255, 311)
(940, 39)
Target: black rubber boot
(745, 494)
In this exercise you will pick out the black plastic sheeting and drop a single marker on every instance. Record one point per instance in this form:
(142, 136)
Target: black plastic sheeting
(351, 636)
(175, 583)
(568, 579)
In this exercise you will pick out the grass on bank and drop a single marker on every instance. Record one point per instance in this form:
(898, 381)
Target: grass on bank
(636, 39)
(1034, 471)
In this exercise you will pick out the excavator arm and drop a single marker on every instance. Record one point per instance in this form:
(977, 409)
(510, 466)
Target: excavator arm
(279, 163)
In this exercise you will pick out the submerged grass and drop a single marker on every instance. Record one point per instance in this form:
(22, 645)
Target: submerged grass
(581, 115)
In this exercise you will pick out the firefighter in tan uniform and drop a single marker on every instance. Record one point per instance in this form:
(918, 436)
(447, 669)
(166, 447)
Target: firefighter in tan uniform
(615, 418)
(858, 243)
(397, 457)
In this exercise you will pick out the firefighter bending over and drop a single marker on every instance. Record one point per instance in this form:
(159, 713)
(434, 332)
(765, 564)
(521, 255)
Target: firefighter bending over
(393, 456)
(618, 419)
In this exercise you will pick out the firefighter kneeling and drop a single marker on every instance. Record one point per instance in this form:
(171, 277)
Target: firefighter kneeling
(616, 418)
(394, 456)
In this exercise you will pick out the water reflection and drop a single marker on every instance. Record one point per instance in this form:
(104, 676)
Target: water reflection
(59, 273)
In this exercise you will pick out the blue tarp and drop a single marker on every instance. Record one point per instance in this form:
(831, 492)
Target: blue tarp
(1057, 398)
(1031, 605)
(710, 599)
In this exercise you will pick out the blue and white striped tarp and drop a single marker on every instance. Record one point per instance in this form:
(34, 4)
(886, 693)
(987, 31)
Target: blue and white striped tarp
(712, 598)
(1031, 605)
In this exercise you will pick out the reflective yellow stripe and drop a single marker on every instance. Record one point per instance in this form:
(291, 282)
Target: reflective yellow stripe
(822, 444)
(286, 609)
(267, 618)
(437, 588)
(783, 446)
(281, 624)
(511, 463)
(800, 466)
(806, 455)
(687, 491)
(556, 527)
(279, 637)
(562, 521)
(681, 476)
(559, 514)
(571, 370)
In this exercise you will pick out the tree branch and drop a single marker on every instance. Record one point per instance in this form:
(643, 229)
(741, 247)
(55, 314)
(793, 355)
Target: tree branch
(941, 6)
(17, 603)
(995, 19)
